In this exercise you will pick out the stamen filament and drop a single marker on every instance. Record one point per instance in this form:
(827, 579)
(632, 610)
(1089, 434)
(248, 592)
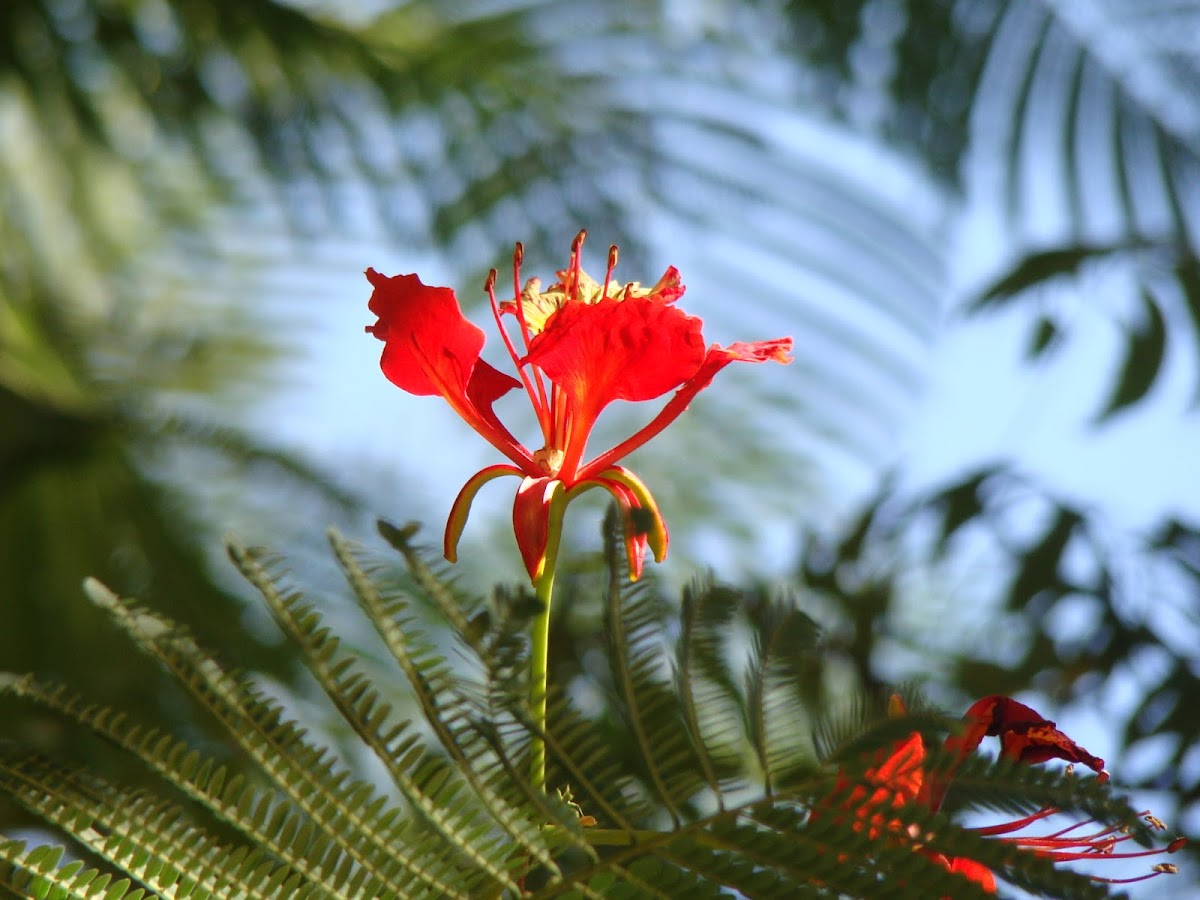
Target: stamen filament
(541, 401)
(489, 287)
(576, 265)
(1009, 827)
(608, 273)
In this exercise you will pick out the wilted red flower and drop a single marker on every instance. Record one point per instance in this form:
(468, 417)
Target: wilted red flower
(900, 778)
(582, 346)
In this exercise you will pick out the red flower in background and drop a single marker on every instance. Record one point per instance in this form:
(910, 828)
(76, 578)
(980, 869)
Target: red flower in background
(900, 778)
(581, 346)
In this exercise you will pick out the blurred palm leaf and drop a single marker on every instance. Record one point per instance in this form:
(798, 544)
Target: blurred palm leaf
(464, 126)
(157, 156)
(1079, 117)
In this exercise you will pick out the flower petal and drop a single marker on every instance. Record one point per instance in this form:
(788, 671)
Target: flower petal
(667, 289)
(431, 349)
(902, 773)
(634, 533)
(636, 349)
(715, 360)
(972, 871)
(1025, 735)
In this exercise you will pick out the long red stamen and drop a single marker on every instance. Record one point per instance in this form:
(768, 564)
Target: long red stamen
(1018, 824)
(1063, 846)
(535, 392)
(518, 258)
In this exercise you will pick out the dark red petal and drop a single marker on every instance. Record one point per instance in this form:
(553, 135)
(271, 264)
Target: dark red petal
(635, 349)
(1025, 735)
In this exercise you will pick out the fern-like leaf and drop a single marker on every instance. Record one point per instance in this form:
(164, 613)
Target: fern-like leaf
(428, 783)
(430, 681)
(302, 771)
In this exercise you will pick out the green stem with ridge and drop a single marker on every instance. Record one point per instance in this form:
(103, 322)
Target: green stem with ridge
(543, 589)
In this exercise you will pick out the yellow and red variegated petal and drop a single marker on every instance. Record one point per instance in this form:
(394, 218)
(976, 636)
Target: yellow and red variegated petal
(457, 519)
(632, 530)
(537, 521)
(1025, 734)
(642, 525)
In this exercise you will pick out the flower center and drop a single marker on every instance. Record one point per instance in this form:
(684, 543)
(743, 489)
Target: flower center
(573, 286)
(549, 460)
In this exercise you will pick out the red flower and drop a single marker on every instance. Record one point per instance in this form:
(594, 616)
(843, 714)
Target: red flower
(583, 345)
(900, 778)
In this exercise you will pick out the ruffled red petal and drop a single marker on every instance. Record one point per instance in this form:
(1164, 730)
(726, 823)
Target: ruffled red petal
(636, 349)
(431, 349)
(1025, 735)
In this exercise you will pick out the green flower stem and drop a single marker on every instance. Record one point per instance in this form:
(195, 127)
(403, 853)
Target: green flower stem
(543, 588)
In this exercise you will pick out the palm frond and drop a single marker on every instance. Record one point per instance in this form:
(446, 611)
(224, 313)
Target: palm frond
(264, 819)
(147, 838)
(633, 618)
(1084, 111)
(783, 683)
(712, 703)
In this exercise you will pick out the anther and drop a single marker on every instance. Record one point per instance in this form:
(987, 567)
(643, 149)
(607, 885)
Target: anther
(612, 264)
(490, 284)
(518, 258)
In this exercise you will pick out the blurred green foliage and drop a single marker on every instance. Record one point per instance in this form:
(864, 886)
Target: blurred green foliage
(133, 131)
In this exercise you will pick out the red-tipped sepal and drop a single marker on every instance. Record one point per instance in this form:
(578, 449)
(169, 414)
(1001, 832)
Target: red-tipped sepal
(457, 520)
(537, 522)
